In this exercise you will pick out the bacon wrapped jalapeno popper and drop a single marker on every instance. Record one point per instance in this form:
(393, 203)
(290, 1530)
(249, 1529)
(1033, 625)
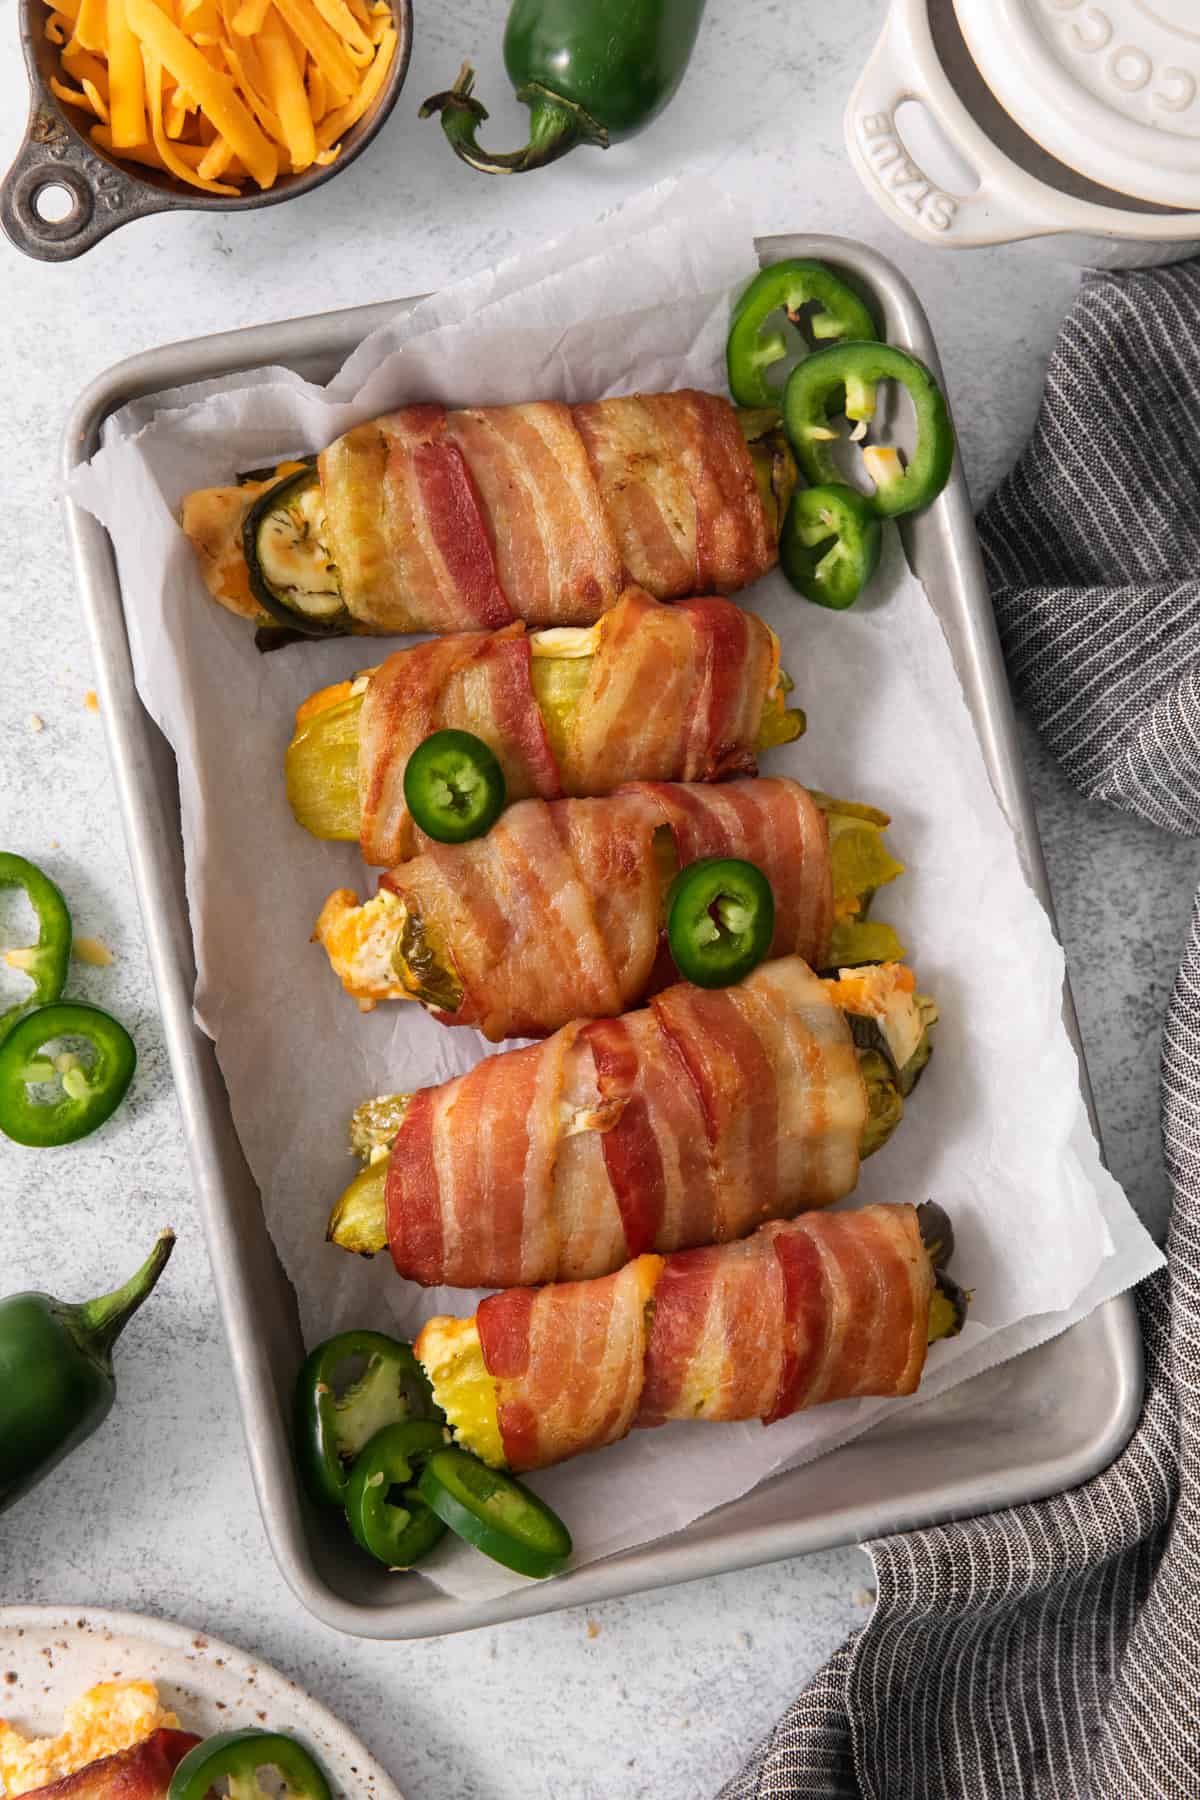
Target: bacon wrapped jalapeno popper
(687, 1123)
(436, 520)
(118, 1742)
(558, 913)
(143, 1772)
(661, 693)
(828, 1307)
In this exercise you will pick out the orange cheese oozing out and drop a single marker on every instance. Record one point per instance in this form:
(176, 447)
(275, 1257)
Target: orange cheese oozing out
(109, 1718)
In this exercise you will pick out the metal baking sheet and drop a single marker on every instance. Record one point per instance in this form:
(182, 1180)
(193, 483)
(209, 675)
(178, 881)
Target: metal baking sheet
(1042, 1422)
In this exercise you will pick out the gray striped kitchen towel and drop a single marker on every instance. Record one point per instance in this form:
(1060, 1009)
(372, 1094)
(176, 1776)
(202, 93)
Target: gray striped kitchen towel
(1054, 1649)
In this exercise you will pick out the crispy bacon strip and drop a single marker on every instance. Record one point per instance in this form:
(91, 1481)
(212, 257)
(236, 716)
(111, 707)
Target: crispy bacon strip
(557, 913)
(673, 694)
(453, 521)
(571, 1374)
(405, 526)
(772, 822)
(678, 483)
(828, 1307)
(555, 550)
(476, 681)
(687, 1123)
(142, 1772)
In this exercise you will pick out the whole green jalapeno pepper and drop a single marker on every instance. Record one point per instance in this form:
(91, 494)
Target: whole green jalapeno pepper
(56, 1374)
(590, 72)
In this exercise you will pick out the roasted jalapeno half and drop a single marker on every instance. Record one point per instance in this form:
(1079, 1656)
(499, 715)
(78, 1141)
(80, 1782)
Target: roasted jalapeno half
(720, 920)
(292, 574)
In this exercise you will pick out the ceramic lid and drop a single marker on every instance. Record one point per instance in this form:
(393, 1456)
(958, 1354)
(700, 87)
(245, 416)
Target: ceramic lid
(1111, 89)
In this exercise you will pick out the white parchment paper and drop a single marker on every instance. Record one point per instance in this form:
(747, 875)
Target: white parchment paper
(997, 1130)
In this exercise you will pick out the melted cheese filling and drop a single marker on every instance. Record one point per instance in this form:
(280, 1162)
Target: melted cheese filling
(886, 993)
(451, 1354)
(565, 641)
(109, 1718)
(362, 943)
(452, 1357)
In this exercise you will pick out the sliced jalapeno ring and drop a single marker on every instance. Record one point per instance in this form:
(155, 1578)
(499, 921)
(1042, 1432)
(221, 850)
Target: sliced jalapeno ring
(844, 378)
(720, 920)
(291, 573)
(389, 1517)
(84, 1091)
(830, 545)
(238, 1756)
(454, 787)
(333, 1427)
(755, 346)
(495, 1512)
(46, 961)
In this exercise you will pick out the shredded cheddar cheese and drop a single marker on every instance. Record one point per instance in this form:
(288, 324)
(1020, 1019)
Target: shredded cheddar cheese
(222, 93)
(93, 951)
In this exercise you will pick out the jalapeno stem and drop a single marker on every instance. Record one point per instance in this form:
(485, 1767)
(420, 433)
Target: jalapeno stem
(555, 126)
(99, 1323)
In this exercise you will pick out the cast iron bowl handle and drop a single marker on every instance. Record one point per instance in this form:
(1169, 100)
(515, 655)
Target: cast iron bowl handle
(103, 196)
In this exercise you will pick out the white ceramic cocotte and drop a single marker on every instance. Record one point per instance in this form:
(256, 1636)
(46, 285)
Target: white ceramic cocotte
(1062, 121)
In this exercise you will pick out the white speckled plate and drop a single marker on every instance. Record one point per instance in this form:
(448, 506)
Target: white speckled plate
(49, 1655)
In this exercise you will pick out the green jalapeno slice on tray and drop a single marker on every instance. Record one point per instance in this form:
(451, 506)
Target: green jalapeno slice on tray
(46, 961)
(389, 1516)
(333, 1427)
(238, 1758)
(844, 378)
(454, 787)
(830, 545)
(51, 1096)
(720, 920)
(756, 344)
(496, 1513)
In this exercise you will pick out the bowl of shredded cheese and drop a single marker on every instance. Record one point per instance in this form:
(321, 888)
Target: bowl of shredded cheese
(144, 106)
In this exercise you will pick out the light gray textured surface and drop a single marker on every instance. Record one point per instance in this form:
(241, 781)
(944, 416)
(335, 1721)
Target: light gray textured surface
(656, 1695)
